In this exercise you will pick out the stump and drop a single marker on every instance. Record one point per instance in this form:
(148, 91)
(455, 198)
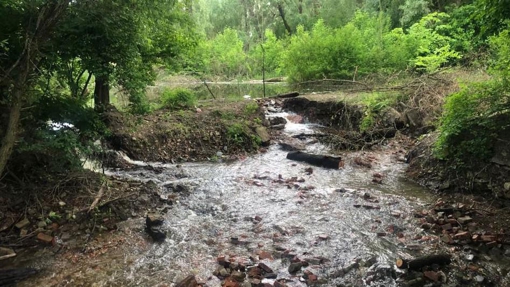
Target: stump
(317, 160)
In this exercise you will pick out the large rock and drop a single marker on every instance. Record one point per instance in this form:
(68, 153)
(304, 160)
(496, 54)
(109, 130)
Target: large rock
(189, 281)
(154, 227)
(263, 135)
(502, 149)
(277, 121)
(392, 118)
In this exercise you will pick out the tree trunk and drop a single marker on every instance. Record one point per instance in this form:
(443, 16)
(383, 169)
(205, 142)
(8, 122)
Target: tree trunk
(101, 94)
(11, 132)
(282, 15)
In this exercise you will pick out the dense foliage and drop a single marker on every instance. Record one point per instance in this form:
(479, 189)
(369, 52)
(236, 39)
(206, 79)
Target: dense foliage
(361, 40)
(475, 116)
(56, 56)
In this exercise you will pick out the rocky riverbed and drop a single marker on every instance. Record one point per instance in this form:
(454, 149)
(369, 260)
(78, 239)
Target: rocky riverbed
(264, 220)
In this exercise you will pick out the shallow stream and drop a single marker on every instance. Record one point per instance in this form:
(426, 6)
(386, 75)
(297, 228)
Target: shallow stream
(352, 228)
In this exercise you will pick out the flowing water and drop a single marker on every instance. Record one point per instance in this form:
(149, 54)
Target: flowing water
(338, 219)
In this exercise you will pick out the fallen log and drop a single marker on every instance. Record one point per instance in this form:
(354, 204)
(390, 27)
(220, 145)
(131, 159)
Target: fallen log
(418, 263)
(275, 80)
(317, 160)
(287, 95)
(9, 277)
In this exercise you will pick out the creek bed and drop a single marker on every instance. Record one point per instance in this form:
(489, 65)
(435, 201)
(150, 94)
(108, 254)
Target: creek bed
(262, 205)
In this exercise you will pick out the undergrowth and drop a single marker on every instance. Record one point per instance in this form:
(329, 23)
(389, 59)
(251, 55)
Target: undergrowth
(471, 120)
(177, 99)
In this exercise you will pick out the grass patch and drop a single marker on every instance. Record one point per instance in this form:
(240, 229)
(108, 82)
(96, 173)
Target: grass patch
(251, 108)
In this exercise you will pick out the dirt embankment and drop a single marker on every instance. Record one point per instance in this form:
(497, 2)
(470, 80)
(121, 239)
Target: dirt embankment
(490, 178)
(212, 131)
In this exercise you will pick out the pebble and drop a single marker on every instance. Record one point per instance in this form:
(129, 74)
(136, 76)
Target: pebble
(295, 267)
(44, 237)
(479, 278)
(23, 223)
(266, 268)
(238, 276)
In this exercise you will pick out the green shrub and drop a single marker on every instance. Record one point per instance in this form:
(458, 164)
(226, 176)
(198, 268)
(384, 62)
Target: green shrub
(470, 122)
(57, 148)
(270, 53)
(501, 49)
(239, 134)
(251, 108)
(434, 48)
(225, 55)
(236, 133)
(177, 99)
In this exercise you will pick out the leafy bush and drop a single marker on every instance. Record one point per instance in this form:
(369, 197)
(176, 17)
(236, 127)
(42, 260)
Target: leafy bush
(241, 135)
(471, 120)
(177, 99)
(236, 133)
(366, 45)
(61, 146)
(270, 52)
(434, 48)
(322, 53)
(251, 108)
(501, 46)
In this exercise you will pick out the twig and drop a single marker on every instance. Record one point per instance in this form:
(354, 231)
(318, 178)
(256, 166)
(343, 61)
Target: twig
(98, 197)
(117, 198)
(10, 253)
(207, 86)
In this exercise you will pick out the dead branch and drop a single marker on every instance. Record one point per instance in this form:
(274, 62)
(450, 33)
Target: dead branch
(98, 197)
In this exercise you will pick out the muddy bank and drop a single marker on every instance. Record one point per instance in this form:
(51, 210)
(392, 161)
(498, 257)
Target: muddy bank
(212, 131)
(66, 214)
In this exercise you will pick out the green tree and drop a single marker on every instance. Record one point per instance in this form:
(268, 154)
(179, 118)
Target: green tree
(118, 43)
(492, 14)
(413, 10)
(26, 27)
